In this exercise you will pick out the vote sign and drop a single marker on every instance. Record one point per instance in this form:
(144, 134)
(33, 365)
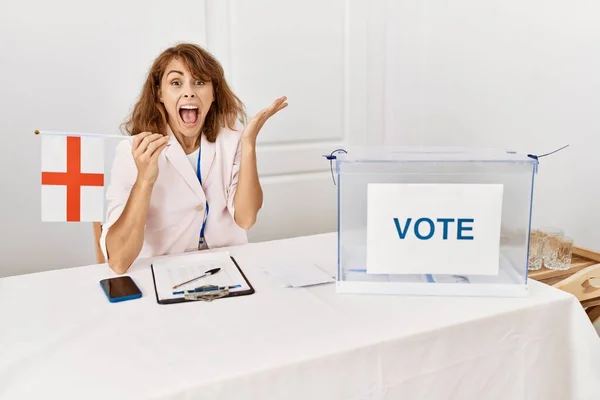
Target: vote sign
(449, 229)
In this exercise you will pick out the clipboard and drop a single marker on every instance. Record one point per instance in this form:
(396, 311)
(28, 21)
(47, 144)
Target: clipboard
(177, 300)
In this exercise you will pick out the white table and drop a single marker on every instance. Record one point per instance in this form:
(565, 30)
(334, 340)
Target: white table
(60, 338)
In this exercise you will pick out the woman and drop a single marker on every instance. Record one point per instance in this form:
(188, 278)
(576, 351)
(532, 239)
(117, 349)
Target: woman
(187, 179)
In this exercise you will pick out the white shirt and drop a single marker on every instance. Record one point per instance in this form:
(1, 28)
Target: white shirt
(193, 157)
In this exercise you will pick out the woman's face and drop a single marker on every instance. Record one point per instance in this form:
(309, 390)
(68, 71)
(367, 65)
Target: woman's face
(186, 99)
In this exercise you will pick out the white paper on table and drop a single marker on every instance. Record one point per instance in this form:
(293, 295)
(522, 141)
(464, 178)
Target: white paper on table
(299, 274)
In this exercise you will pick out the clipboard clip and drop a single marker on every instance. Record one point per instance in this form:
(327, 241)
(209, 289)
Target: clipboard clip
(206, 293)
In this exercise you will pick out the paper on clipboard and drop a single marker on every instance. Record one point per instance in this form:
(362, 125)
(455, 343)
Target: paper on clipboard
(175, 270)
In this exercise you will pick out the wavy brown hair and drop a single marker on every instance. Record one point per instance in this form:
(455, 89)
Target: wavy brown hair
(150, 115)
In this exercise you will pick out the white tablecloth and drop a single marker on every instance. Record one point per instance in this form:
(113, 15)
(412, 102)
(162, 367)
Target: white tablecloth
(60, 338)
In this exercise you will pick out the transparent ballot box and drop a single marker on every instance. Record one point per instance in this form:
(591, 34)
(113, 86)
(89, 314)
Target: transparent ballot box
(434, 221)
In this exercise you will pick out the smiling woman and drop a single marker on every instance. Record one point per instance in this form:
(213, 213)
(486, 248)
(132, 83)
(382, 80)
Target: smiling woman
(188, 179)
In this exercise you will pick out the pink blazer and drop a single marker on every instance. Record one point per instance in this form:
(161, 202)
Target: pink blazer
(177, 204)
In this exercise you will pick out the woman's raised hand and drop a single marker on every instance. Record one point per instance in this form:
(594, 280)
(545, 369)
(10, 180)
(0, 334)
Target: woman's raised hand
(146, 149)
(256, 123)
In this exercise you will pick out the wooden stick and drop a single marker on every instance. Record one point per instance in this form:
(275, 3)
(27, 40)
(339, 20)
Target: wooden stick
(96, 135)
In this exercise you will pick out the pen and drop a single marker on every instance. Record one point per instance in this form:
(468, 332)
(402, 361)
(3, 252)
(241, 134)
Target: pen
(207, 289)
(207, 273)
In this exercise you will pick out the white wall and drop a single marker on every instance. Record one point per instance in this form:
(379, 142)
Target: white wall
(522, 75)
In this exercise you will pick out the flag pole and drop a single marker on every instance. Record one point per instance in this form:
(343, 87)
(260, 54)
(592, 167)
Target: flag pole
(96, 135)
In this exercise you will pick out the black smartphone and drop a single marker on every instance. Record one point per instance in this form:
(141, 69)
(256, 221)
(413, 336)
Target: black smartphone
(120, 289)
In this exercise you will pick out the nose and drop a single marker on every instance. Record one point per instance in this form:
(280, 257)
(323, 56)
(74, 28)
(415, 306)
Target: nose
(189, 95)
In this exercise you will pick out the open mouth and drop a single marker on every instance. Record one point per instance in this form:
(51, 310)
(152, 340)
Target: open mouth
(189, 115)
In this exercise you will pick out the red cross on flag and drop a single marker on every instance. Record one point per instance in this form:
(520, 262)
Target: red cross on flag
(72, 178)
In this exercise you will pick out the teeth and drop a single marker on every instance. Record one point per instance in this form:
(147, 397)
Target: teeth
(189, 107)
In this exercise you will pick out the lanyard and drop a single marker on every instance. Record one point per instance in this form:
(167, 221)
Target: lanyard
(199, 174)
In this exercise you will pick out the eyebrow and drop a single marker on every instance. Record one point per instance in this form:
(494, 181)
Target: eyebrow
(174, 70)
